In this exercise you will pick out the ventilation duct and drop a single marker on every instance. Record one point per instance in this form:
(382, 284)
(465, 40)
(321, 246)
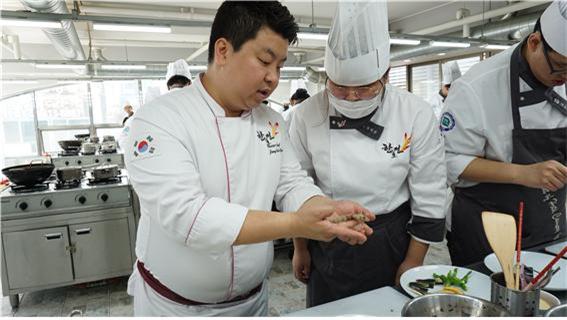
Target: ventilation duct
(65, 40)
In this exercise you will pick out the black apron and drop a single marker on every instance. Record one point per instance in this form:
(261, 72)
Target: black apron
(544, 211)
(339, 270)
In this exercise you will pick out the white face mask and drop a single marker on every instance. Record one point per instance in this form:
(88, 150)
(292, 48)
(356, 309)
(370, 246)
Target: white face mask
(355, 109)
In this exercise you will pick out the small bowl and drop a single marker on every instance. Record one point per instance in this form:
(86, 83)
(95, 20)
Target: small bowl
(557, 311)
(451, 305)
(549, 299)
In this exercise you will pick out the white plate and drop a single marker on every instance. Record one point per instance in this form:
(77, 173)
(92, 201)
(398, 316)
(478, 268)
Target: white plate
(556, 248)
(477, 286)
(538, 261)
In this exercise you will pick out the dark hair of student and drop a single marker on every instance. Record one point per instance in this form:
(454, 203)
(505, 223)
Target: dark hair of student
(240, 21)
(178, 81)
(300, 95)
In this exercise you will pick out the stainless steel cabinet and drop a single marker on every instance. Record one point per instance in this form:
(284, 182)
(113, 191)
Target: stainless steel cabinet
(100, 248)
(37, 257)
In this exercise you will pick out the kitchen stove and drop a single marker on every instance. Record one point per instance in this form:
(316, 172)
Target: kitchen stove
(89, 161)
(61, 233)
(68, 153)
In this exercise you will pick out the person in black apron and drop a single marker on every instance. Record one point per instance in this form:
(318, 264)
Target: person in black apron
(544, 210)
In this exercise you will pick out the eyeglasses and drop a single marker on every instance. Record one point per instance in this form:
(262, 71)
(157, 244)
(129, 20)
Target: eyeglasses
(552, 70)
(362, 92)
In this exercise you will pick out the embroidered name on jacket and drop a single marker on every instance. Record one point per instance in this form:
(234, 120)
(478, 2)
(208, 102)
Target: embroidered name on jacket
(269, 136)
(400, 148)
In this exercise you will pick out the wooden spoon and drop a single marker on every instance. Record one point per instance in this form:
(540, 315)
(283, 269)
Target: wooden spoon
(500, 230)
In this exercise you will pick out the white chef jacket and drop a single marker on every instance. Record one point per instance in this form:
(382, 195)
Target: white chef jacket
(478, 116)
(197, 173)
(376, 179)
(436, 102)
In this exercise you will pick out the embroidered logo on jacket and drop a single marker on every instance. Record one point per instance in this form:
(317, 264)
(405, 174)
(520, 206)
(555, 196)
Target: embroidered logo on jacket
(395, 150)
(269, 136)
(144, 146)
(447, 122)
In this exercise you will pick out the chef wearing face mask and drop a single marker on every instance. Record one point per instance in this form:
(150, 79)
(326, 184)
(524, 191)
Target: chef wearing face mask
(374, 143)
(505, 127)
(451, 72)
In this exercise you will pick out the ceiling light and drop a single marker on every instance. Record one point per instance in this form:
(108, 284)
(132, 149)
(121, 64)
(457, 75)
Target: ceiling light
(59, 66)
(408, 42)
(123, 67)
(496, 47)
(441, 54)
(450, 44)
(293, 69)
(131, 28)
(407, 60)
(30, 23)
(198, 68)
(19, 81)
(312, 36)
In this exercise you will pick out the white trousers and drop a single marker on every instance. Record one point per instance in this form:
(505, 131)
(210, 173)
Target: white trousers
(149, 303)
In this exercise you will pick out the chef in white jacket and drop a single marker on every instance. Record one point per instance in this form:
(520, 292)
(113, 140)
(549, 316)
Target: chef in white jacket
(178, 76)
(366, 140)
(451, 72)
(505, 128)
(206, 163)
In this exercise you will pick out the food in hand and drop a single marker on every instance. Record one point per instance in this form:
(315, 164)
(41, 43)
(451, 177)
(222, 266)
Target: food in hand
(338, 218)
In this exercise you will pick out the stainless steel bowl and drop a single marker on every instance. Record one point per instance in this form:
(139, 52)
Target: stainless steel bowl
(557, 311)
(451, 305)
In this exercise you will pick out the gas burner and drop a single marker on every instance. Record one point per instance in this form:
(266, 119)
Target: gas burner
(28, 189)
(87, 153)
(97, 182)
(108, 151)
(68, 184)
(68, 153)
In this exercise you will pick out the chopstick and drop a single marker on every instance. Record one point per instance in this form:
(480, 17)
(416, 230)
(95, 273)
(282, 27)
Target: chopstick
(519, 245)
(546, 269)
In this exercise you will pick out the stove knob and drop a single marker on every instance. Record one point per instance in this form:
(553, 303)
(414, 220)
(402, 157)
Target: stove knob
(97, 161)
(104, 197)
(79, 162)
(108, 160)
(82, 199)
(47, 203)
(66, 163)
(23, 206)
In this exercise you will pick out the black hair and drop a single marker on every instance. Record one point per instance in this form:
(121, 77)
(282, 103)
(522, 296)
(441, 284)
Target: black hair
(300, 94)
(181, 81)
(239, 21)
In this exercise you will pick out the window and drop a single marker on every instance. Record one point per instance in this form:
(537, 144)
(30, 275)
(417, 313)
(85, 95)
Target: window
(398, 77)
(17, 133)
(152, 89)
(109, 99)
(63, 105)
(467, 63)
(51, 139)
(425, 80)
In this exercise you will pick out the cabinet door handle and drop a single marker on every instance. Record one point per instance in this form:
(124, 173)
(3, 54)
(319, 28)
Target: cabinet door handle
(53, 236)
(83, 231)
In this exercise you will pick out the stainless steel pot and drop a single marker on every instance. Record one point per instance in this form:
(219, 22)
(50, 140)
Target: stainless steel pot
(451, 305)
(88, 148)
(557, 311)
(69, 173)
(108, 147)
(106, 172)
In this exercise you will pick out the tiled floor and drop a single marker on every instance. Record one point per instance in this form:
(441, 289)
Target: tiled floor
(110, 298)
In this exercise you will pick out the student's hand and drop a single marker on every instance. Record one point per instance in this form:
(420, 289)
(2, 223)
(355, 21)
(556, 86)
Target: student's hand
(310, 221)
(550, 175)
(405, 266)
(301, 264)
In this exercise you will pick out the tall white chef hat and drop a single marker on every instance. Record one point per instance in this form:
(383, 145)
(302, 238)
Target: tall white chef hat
(358, 48)
(178, 68)
(554, 25)
(451, 72)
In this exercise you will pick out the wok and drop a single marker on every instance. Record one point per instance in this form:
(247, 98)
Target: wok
(70, 145)
(28, 174)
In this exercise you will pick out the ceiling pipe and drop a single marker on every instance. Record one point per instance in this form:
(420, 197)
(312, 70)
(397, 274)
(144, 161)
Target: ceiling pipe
(512, 29)
(461, 14)
(65, 40)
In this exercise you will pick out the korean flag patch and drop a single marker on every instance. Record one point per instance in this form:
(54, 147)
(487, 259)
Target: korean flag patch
(144, 147)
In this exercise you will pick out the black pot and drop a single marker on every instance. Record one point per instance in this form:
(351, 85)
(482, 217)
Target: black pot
(106, 172)
(28, 174)
(69, 173)
(70, 145)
